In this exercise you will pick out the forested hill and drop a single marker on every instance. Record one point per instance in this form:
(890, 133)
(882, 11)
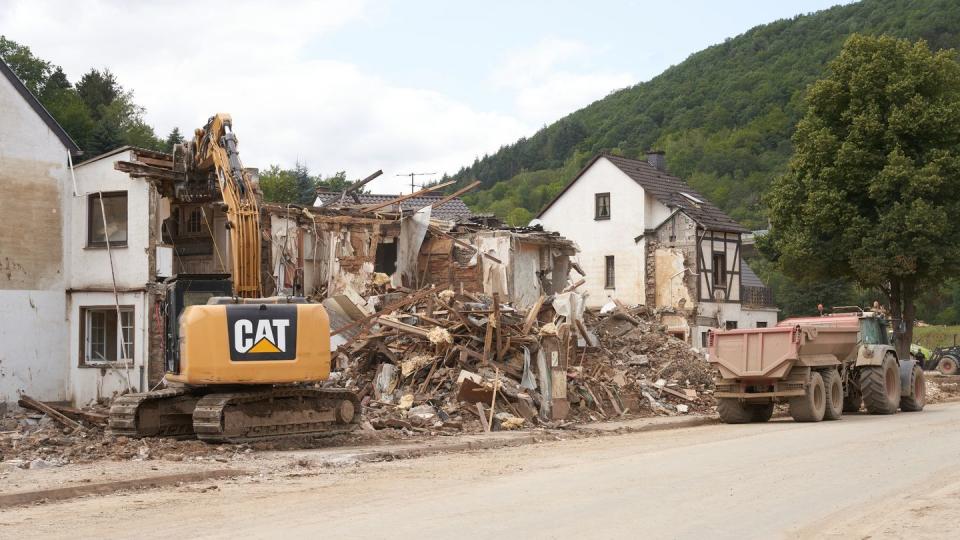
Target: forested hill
(724, 116)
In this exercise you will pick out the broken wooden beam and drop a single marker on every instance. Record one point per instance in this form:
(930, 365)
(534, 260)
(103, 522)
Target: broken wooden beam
(39, 406)
(455, 194)
(402, 198)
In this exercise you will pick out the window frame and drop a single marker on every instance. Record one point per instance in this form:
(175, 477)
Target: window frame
(127, 327)
(186, 217)
(597, 197)
(719, 277)
(609, 272)
(94, 212)
(730, 325)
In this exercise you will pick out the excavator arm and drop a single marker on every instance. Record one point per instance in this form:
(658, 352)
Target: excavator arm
(213, 154)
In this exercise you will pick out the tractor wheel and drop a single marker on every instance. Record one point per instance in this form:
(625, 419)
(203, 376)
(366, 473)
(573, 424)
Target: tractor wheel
(811, 406)
(761, 413)
(853, 400)
(915, 402)
(880, 386)
(734, 411)
(833, 391)
(948, 365)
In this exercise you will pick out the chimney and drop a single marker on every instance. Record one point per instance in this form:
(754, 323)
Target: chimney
(658, 159)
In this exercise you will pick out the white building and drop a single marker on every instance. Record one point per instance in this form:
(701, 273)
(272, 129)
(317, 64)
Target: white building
(82, 257)
(646, 237)
(35, 180)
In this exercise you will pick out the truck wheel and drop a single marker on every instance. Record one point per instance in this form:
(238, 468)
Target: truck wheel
(880, 386)
(948, 365)
(811, 406)
(833, 391)
(761, 413)
(734, 411)
(853, 400)
(915, 402)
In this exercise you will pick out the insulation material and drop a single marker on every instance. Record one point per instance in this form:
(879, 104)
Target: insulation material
(413, 229)
(285, 236)
(495, 274)
(569, 305)
(526, 266)
(351, 259)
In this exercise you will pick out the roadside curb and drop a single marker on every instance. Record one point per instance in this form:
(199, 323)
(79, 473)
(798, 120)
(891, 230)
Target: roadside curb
(60, 494)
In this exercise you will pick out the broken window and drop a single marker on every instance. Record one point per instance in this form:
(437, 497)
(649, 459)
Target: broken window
(719, 269)
(610, 276)
(114, 207)
(386, 260)
(601, 206)
(104, 337)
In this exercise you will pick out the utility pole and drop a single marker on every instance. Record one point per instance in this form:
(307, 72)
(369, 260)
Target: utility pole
(413, 187)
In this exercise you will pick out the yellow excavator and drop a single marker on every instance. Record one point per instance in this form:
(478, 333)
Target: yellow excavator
(239, 367)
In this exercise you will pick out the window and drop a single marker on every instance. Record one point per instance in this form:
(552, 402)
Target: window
(601, 206)
(609, 281)
(194, 224)
(386, 259)
(102, 338)
(719, 269)
(704, 339)
(731, 325)
(115, 209)
(761, 324)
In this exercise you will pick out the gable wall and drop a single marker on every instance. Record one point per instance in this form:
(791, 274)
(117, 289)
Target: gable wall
(34, 180)
(572, 215)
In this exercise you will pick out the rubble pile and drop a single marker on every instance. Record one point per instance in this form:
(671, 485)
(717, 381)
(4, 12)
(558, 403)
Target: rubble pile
(442, 362)
(33, 439)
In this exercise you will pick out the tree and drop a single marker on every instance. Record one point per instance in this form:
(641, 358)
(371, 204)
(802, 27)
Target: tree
(173, 139)
(31, 70)
(98, 90)
(872, 191)
(279, 185)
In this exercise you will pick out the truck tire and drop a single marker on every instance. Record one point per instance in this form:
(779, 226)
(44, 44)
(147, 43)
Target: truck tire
(948, 365)
(880, 386)
(915, 402)
(811, 406)
(761, 413)
(734, 411)
(853, 400)
(833, 392)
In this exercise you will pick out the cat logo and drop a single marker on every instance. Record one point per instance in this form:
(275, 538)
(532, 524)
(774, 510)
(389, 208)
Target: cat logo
(266, 332)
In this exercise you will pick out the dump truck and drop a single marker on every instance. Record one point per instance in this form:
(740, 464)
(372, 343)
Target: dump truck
(820, 366)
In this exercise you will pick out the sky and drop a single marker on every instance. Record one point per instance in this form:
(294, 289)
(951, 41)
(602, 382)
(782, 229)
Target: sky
(361, 85)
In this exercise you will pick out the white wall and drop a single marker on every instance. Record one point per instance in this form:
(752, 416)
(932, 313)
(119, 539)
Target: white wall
(90, 267)
(87, 384)
(572, 215)
(33, 183)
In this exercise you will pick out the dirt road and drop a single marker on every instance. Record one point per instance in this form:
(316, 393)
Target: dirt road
(862, 476)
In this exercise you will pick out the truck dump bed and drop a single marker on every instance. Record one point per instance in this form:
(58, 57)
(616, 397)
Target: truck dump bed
(769, 353)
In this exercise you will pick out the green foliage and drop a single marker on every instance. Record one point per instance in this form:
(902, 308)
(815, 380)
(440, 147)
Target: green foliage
(297, 185)
(870, 193)
(97, 112)
(173, 139)
(725, 115)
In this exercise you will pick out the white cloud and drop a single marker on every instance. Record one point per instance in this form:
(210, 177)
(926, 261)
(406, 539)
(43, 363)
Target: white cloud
(188, 60)
(556, 77)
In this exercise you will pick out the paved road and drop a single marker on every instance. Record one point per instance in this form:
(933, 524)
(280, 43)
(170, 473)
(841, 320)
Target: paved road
(862, 476)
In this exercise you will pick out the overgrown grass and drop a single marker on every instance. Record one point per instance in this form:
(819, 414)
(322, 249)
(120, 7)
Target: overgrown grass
(936, 336)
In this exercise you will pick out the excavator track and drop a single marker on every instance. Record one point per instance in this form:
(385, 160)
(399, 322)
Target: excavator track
(275, 412)
(162, 413)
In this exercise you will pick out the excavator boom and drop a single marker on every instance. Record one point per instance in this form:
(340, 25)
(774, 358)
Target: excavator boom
(214, 151)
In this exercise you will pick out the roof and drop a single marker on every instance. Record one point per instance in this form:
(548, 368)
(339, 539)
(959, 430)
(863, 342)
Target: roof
(106, 154)
(668, 189)
(451, 210)
(749, 278)
(38, 108)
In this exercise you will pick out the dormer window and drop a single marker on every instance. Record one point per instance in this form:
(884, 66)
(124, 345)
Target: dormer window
(601, 206)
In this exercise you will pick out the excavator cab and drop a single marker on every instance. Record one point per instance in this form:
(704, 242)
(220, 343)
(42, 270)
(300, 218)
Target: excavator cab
(183, 291)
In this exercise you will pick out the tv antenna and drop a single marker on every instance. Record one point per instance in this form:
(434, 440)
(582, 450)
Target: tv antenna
(413, 187)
